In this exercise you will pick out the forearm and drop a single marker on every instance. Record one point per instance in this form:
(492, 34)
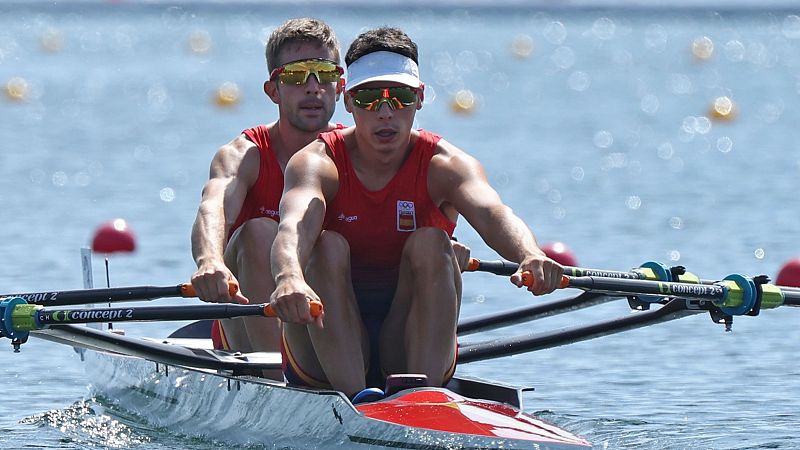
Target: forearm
(208, 233)
(508, 235)
(294, 243)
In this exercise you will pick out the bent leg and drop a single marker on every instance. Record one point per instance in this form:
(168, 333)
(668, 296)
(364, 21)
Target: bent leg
(337, 352)
(248, 257)
(425, 309)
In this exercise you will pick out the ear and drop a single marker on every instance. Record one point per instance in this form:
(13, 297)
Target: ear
(421, 95)
(271, 89)
(347, 106)
(339, 88)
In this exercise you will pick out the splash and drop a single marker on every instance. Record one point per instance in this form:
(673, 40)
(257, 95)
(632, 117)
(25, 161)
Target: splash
(81, 424)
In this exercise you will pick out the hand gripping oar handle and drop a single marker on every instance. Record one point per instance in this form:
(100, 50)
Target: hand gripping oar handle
(187, 290)
(17, 317)
(111, 295)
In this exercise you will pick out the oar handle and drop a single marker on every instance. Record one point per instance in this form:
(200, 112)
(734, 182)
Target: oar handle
(187, 290)
(314, 306)
(527, 280)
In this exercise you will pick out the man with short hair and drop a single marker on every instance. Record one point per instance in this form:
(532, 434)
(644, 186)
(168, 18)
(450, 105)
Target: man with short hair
(365, 220)
(238, 213)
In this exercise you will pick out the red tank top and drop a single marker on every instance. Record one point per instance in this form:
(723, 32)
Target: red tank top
(264, 197)
(376, 224)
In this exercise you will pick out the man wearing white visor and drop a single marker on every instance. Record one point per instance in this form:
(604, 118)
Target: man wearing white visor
(366, 218)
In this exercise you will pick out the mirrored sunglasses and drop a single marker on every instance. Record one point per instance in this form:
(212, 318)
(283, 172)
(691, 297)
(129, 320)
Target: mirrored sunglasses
(297, 72)
(395, 97)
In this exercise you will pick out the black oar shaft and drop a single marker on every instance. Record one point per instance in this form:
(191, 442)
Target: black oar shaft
(501, 267)
(79, 297)
(530, 313)
(514, 345)
(635, 287)
(144, 313)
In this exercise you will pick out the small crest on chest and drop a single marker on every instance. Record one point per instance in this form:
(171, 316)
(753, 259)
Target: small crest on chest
(406, 216)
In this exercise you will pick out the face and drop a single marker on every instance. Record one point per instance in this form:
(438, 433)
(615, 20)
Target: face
(309, 106)
(379, 126)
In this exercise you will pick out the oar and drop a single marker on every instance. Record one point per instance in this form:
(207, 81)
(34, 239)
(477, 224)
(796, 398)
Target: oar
(513, 345)
(534, 311)
(109, 295)
(648, 271)
(18, 317)
(734, 295)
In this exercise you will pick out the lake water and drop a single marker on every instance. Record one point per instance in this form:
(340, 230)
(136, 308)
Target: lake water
(593, 124)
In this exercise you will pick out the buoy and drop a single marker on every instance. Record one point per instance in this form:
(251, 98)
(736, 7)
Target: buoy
(114, 236)
(463, 102)
(52, 40)
(522, 46)
(703, 48)
(227, 94)
(722, 109)
(560, 253)
(17, 89)
(789, 275)
(200, 41)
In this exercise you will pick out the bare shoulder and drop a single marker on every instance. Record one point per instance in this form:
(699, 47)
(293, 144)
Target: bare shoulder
(312, 155)
(452, 163)
(312, 166)
(239, 157)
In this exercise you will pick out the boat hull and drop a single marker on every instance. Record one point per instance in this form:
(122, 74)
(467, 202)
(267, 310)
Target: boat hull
(183, 385)
(251, 410)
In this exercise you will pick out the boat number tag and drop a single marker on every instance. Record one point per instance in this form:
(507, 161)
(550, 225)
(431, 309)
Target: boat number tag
(406, 216)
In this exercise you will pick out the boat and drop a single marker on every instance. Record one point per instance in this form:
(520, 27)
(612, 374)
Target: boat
(180, 382)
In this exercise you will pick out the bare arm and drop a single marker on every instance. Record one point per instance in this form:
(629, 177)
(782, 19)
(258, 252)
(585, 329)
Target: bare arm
(310, 181)
(457, 179)
(234, 170)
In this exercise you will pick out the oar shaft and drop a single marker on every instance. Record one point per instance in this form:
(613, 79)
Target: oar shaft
(501, 267)
(78, 297)
(18, 318)
(42, 317)
(110, 295)
(637, 287)
(145, 313)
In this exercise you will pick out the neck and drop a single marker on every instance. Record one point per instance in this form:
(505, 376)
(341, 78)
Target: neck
(287, 140)
(381, 161)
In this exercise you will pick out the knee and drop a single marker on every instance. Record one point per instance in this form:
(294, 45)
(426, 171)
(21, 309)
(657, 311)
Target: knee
(254, 239)
(428, 246)
(258, 232)
(332, 250)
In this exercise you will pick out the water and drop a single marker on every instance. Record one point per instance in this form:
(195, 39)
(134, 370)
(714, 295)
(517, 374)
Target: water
(597, 132)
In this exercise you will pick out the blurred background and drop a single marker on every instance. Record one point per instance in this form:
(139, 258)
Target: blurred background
(630, 131)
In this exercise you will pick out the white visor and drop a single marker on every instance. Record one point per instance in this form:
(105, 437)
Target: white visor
(382, 66)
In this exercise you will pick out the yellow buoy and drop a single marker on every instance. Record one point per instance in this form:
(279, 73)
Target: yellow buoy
(703, 48)
(227, 94)
(463, 102)
(723, 108)
(17, 89)
(522, 46)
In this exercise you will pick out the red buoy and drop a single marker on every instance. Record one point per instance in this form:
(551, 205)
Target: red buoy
(560, 253)
(789, 275)
(112, 237)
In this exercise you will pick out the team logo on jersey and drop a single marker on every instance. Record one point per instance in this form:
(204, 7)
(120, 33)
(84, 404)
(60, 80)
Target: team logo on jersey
(343, 218)
(268, 212)
(406, 216)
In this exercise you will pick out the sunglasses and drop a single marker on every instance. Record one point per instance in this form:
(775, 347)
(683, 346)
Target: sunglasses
(297, 72)
(395, 97)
